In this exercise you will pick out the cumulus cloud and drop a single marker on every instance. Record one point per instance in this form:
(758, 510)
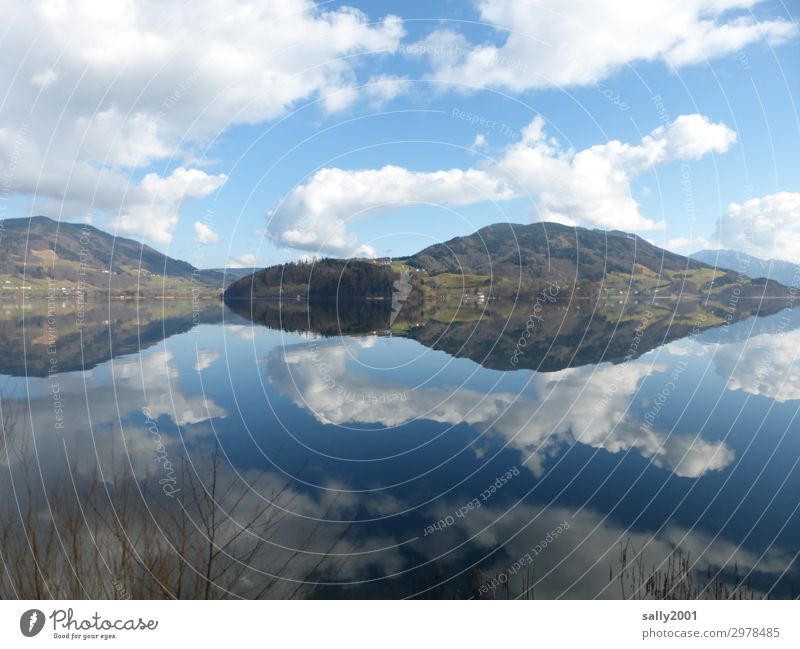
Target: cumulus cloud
(247, 260)
(678, 243)
(383, 88)
(579, 42)
(587, 187)
(593, 186)
(689, 137)
(111, 88)
(204, 234)
(767, 227)
(315, 215)
(119, 140)
(156, 214)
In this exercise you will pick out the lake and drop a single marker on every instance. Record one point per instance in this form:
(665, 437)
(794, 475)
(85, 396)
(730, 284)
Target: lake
(176, 450)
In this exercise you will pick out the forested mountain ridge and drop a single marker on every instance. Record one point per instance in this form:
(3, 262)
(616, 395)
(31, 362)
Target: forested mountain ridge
(322, 279)
(511, 261)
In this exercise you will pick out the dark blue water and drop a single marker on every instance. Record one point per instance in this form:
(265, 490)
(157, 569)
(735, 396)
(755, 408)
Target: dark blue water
(394, 470)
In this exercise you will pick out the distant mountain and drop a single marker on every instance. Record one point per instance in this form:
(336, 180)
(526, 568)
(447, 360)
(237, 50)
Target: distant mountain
(784, 272)
(35, 251)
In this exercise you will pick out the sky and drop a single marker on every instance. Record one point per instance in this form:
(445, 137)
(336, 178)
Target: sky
(231, 133)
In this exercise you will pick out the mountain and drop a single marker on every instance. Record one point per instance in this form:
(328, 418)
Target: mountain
(546, 249)
(516, 260)
(37, 251)
(781, 271)
(512, 261)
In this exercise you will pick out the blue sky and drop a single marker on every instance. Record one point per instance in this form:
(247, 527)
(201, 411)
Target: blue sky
(246, 136)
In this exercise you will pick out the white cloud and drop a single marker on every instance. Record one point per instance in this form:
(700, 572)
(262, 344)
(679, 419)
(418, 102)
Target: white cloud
(155, 214)
(579, 42)
(315, 215)
(767, 227)
(44, 78)
(120, 140)
(689, 137)
(685, 245)
(383, 88)
(204, 234)
(149, 207)
(593, 186)
(587, 187)
(678, 243)
(712, 38)
(479, 142)
(247, 260)
(127, 83)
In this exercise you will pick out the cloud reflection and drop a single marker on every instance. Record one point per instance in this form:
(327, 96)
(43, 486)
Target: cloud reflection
(566, 407)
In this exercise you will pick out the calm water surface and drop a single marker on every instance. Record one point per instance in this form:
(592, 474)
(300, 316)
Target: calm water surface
(370, 465)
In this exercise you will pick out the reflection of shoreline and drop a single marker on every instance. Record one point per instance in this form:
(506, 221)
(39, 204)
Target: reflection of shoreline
(569, 333)
(39, 291)
(106, 330)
